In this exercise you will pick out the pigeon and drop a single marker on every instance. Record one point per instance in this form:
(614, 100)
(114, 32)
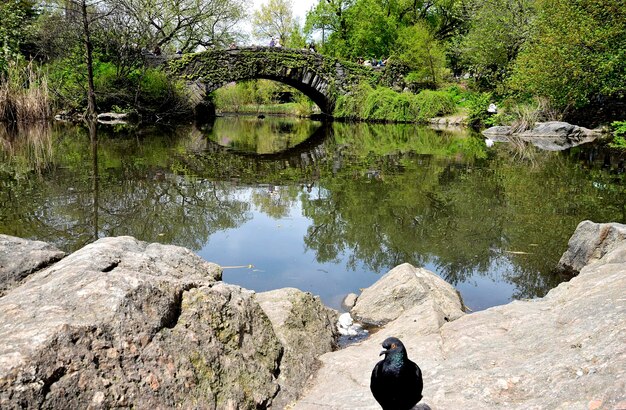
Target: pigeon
(396, 381)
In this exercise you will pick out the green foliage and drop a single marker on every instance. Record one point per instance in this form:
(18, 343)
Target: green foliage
(154, 85)
(477, 105)
(260, 96)
(383, 104)
(273, 20)
(619, 135)
(148, 91)
(328, 18)
(15, 20)
(372, 31)
(497, 30)
(422, 53)
(577, 52)
(370, 28)
(296, 38)
(304, 106)
(350, 105)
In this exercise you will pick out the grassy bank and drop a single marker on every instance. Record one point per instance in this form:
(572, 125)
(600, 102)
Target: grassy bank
(293, 109)
(383, 104)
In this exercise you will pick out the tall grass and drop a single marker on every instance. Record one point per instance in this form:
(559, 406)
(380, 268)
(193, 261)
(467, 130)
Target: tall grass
(24, 94)
(385, 105)
(524, 116)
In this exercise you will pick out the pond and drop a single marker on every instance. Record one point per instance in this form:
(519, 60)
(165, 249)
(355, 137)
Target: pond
(326, 208)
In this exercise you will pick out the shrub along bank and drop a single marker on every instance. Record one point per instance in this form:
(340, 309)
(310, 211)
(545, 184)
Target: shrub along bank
(383, 104)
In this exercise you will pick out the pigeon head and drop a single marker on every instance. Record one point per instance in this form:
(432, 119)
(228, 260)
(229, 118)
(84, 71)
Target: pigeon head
(393, 346)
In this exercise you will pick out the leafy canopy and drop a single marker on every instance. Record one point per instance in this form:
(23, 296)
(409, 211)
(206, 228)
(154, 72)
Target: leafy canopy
(577, 52)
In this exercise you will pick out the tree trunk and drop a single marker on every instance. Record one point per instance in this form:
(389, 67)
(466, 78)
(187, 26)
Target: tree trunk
(91, 92)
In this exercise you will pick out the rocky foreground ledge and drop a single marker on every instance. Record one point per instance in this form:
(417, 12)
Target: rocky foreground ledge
(123, 323)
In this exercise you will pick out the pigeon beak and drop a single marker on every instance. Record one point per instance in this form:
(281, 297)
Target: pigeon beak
(383, 352)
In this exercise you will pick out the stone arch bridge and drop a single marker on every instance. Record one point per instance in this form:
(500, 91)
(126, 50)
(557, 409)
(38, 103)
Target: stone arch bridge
(321, 78)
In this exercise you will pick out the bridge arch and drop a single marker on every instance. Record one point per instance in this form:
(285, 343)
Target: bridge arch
(319, 77)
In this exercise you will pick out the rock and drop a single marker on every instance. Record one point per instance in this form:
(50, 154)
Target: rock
(123, 323)
(112, 118)
(589, 243)
(306, 329)
(349, 301)
(564, 351)
(401, 289)
(450, 121)
(413, 295)
(550, 136)
(21, 257)
(498, 130)
(558, 129)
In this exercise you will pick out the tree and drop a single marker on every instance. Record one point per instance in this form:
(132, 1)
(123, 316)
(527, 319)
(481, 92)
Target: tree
(274, 19)
(420, 51)
(497, 31)
(184, 24)
(329, 18)
(76, 23)
(15, 18)
(372, 36)
(577, 52)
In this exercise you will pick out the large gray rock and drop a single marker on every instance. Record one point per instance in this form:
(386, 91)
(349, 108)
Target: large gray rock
(589, 243)
(564, 351)
(550, 136)
(125, 323)
(21, 257)
(306, 329)
(414, 302)
(401, 289)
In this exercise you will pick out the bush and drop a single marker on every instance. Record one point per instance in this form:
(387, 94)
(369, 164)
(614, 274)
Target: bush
(576, 53)
(350, 105)
(149, 91)
(384, 104)
(433, 103)
(477, 106)
(619, 134)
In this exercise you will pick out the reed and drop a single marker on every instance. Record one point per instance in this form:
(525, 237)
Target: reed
(26, 147)
(526, 115)
(24, 94)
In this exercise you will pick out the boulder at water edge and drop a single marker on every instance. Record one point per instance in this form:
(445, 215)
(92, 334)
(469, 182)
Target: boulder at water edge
(306, 329)
(564, 351)
(21, 257)
(550, 136)
(122, 323)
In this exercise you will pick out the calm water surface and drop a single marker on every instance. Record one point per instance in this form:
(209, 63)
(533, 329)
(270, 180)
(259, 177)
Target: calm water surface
(324, 208)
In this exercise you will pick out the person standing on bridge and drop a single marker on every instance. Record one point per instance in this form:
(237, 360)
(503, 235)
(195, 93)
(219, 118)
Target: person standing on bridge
(272, 42)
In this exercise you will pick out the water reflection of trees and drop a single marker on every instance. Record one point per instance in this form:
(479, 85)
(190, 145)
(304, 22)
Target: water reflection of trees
(458, 216)
(137, 195)
(377, 195)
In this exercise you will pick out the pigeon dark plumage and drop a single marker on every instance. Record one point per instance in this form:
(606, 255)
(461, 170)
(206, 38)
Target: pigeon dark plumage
(396, 381)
